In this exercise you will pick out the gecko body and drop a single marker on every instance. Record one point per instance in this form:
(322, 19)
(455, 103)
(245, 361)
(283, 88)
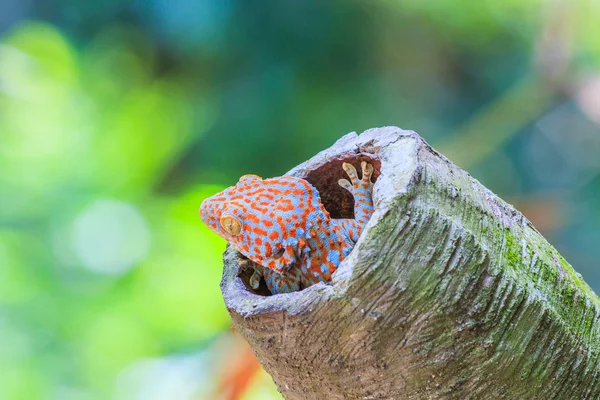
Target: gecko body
(282, 226)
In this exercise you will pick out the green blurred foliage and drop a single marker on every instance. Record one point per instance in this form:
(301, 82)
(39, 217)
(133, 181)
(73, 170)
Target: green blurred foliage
(117, 119)
(80, 130)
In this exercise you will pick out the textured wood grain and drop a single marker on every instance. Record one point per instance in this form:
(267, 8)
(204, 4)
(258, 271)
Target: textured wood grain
(449, 293)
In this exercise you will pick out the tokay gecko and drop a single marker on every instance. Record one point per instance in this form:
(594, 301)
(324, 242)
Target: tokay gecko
(281, 225)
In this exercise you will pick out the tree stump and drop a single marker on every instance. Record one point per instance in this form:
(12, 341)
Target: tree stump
(450, 293)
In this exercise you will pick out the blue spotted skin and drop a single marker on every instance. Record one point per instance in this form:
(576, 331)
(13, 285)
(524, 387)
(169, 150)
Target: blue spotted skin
(281, 225)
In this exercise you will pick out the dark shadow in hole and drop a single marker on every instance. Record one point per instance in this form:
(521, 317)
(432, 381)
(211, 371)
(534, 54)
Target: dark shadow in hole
(336, 200)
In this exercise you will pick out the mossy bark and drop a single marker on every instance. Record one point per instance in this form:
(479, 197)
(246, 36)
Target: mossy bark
(449, 293)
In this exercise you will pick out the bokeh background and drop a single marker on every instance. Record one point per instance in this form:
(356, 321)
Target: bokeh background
(118, 117)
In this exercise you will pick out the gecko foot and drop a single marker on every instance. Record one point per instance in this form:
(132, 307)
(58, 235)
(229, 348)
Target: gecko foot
(362, 191)
(257, 271)
(357, 184)
(255, 279)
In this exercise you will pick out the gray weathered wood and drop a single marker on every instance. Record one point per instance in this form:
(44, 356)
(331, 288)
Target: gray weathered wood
(449, 293)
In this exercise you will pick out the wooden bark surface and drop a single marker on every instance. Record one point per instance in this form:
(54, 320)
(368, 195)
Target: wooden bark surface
(450, 293)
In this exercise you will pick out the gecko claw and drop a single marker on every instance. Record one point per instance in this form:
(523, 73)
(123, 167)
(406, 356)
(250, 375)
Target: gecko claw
(255, 279)
(367, 171)
(351, 171)
(243, 263)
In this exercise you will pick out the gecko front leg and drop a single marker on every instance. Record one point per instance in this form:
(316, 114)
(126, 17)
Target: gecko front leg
(362, 191)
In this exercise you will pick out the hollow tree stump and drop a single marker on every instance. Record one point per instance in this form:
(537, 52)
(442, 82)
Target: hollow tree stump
(450, 293)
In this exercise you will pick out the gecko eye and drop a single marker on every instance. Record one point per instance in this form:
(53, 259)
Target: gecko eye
(278, 253)
(231, 225)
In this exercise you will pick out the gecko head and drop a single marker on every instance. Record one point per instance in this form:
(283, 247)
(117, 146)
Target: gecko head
(267, 220)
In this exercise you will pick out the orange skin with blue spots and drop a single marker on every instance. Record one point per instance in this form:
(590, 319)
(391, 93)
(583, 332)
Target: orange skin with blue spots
(281, 225)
